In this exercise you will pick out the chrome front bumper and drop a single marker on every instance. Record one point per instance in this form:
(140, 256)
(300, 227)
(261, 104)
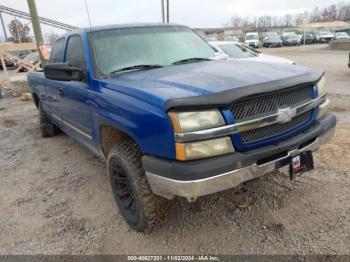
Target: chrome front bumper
(168, 188)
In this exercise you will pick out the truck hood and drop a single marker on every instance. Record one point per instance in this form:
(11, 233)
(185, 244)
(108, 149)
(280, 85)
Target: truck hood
(227, 80)
(270, 59)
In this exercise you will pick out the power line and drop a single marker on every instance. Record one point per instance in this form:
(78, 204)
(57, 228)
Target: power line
(43, 20)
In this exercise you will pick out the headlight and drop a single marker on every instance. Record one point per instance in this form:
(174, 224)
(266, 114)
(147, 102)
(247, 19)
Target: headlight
(322, 89)
(321, 86)
(322, 109)
(203, 149)
(196, 120)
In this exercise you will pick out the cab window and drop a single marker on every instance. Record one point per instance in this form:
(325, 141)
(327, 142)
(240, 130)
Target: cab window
(57, 50)
(75, 52)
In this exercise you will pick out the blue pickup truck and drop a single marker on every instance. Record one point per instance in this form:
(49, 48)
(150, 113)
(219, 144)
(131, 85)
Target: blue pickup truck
(171, 119)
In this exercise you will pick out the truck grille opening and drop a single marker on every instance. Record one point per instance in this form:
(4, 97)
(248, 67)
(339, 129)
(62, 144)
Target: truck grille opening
(268, 104)
(266, 132)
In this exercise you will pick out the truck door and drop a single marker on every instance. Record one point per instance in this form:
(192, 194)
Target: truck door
(74, 106)
(53, 98)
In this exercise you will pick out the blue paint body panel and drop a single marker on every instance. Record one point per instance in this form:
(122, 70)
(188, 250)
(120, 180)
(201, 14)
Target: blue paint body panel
(134, 102)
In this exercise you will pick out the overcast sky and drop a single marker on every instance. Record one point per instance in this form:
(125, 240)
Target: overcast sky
(194, 13)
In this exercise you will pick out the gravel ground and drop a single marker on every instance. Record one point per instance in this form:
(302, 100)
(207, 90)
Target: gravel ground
(55, 197)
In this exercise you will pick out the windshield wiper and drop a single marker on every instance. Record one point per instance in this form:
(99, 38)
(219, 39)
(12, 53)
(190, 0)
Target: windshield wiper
(190, 60)
(135, 67)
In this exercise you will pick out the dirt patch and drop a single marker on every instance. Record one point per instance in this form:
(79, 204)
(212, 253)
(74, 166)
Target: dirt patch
(9, 123)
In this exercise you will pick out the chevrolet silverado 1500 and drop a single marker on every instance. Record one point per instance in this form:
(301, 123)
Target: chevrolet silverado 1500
(171, 120)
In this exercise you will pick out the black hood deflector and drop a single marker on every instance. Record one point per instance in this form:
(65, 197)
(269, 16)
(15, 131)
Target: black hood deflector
(226, 98)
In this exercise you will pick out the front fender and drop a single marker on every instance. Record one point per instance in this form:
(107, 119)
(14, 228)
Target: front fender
(147, 125)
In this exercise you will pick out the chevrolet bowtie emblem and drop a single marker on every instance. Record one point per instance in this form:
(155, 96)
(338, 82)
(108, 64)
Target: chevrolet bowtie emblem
(286, 114)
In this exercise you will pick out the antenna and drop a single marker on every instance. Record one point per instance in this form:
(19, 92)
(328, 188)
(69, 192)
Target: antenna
(92, 36)
(88, 13)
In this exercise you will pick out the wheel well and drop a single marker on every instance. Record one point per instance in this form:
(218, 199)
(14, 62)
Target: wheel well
(110, 136)
(36, 100)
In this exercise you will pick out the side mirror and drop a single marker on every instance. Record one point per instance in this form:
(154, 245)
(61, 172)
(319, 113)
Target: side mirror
(63, 72)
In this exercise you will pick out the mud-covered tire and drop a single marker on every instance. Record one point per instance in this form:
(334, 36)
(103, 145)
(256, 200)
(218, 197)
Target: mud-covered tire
(126, 174)
(47, 128)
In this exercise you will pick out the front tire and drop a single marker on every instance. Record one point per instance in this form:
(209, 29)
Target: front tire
(138, 205)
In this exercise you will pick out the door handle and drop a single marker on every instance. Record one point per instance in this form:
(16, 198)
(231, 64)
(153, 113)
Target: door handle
(60, 92)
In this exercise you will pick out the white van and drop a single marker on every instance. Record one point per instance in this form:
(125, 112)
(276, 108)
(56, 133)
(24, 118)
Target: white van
(252, 39)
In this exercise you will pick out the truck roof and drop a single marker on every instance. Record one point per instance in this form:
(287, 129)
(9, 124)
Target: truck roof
(117, 26)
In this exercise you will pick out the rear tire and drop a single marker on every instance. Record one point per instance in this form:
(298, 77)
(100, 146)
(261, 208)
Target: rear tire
(139, 206)
(47, 128)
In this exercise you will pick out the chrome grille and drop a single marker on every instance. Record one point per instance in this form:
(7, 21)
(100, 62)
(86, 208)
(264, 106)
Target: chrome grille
(266, 132)
(261, 106)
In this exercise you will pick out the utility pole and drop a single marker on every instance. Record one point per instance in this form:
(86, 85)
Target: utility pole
(36, 26)
(163, 14)
(304, 27)
(167, 11)
(3, 26)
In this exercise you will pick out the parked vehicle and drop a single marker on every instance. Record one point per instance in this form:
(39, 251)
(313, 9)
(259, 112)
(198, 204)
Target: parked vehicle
(272, 40)
(325, 37)
(20, 54)
(242, 52)
(290, 39)
(252, 39)
(2, 92)
(8, 63)
(341, 36)
(307, 39)
(211, 38)
(170, 121)
(316, 36)
(231, 38)
(32, 58)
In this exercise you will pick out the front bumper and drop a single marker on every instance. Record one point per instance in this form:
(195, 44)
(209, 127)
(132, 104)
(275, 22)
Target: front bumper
(253, 44)
(325, 40)
(202, 177)
(273, 44)
(291, 43)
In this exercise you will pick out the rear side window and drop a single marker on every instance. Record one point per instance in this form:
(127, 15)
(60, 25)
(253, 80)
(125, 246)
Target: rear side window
(57, 51)
(75, 53)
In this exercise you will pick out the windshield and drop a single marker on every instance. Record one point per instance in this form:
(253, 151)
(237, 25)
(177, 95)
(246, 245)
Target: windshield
(126, 47)
(274, 38)
(291, 35)
(251, 37)
(326, 33)
(236, 51)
